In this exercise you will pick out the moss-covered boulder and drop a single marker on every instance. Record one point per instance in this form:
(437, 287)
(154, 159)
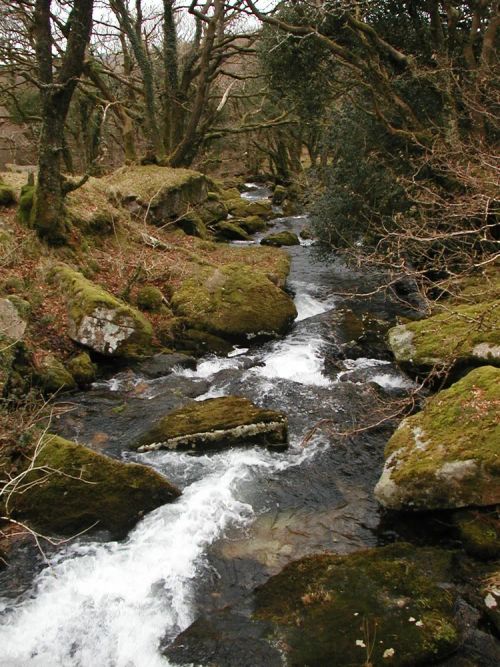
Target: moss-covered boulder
(82, 369)
(192, 224)
(74, 488)
(479, 532)
(7, 196)
(242, 208)
(460, 335)
(279, 195)
(149, 298)
(216, 423)
(99, 320)
(7, 355)
(26, 200)
(50, 374)
(159, 193)
(235, 302)
(212, 211)
(379, 607)
(252, 224)
(280, 239)
(231, 231)
(447, 455)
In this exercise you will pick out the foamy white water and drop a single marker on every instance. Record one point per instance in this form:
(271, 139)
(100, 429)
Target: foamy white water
(297, 360)
(102, 605)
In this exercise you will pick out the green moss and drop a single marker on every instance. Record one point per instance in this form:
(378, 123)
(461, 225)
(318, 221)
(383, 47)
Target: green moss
(242, 208)
(52, 376)
(7, 196)
(252, 224)
(192, 224)
(479, 532)
(322, 607)
(212, 211)
(229, 194)
(13, 284)
(82, 369)
(129, 332)
(149, 298)
(234, 302)
(78, 487)
(150, 183)
(22, 306)
(281, 238)
(7, 355)
(231, 231)
(188, 425)
(448, 454)
(279, 195)
(26, 200)
(461, 334)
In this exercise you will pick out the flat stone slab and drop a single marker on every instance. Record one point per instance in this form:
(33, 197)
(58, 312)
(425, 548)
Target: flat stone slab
(216, 423)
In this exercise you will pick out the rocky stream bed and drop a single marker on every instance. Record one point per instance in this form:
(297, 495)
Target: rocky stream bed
(179, 589)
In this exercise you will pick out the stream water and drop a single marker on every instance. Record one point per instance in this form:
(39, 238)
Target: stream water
(244, 512)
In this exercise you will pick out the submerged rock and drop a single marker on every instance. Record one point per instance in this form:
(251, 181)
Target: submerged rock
(461, 335)
(216, 423)
(281, 239)
(447, 456)
(74, 488)
(100, 321)
(234, 302)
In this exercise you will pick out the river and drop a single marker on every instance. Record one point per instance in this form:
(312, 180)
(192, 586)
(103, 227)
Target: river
(244, 512)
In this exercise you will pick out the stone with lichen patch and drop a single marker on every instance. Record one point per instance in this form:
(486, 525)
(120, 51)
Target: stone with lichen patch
(448, 455)
(216, 423)
(99, 320)
(460, 335)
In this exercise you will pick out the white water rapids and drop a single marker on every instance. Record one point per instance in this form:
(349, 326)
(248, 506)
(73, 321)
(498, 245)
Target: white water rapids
(110, 604)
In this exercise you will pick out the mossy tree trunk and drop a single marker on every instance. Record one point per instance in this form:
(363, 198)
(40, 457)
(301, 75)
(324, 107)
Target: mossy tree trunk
(57, 89)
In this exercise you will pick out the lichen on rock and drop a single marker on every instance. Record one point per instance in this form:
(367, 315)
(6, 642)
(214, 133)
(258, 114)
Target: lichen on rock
(99, 320)
(460, 335)
(447, 455)
(73, 488)
(216, 423)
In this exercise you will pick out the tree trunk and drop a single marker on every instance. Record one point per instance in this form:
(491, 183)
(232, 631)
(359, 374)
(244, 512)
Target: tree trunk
(48, 215)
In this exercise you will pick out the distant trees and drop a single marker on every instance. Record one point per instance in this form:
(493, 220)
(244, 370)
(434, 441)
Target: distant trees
(407, 120)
